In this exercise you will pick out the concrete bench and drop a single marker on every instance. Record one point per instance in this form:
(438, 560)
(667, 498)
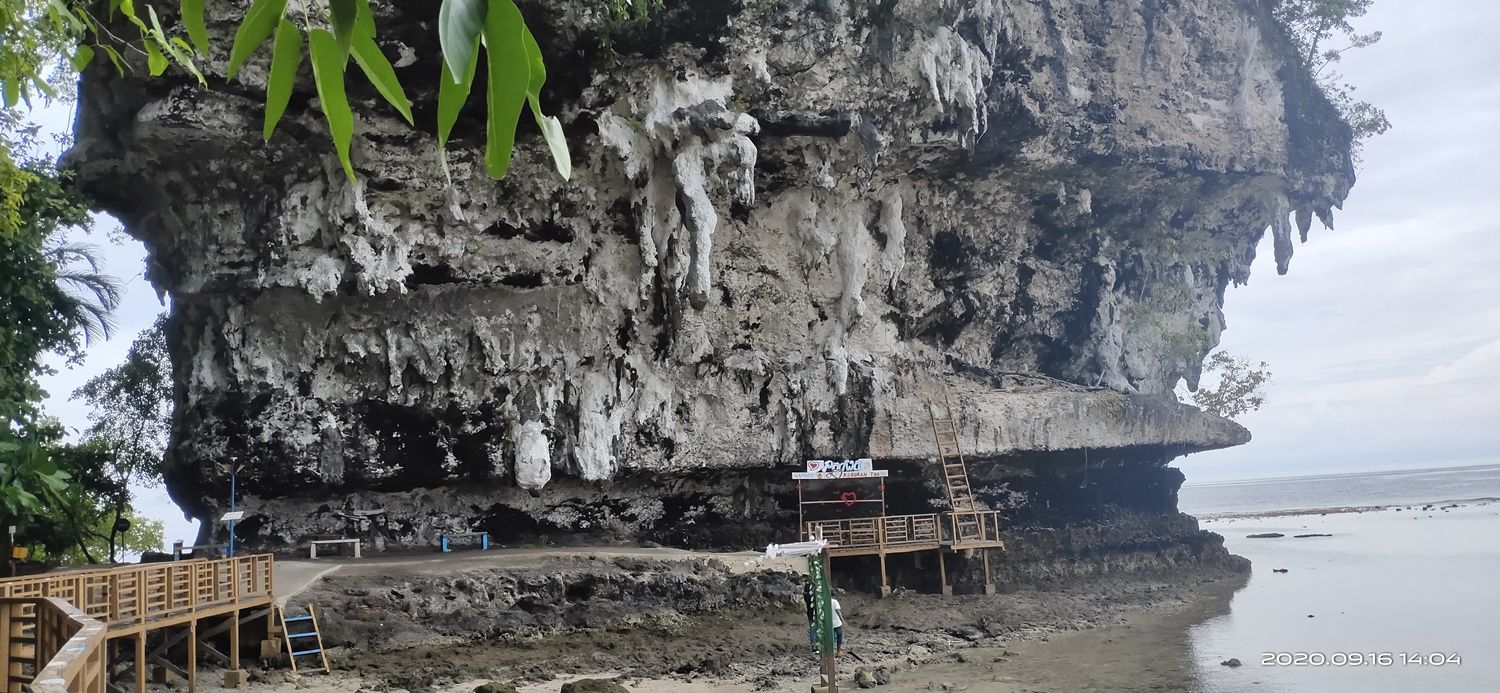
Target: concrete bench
(483, 537)
(312, 546)
(179, 551)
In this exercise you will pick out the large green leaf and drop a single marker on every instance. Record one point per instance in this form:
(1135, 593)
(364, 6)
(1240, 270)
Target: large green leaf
(343, 13)
(328, 73)
(192, 20)
(259, 23)
(509, 77)
(286, 56)
(453, 92)
(380, 72)
(459, 24)
(551, 128)
(156, 63)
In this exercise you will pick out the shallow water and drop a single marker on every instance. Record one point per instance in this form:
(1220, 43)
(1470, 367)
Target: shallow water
(1396, 584)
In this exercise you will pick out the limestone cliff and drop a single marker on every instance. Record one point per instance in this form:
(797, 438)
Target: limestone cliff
(791, 221)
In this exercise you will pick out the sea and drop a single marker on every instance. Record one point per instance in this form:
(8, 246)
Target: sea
(1393, 584)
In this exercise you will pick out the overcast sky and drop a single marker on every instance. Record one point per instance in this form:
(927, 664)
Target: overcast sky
(1385, 337)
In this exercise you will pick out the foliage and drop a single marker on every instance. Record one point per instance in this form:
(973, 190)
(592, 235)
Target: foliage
(53, 299)
(52, 296)
(131, 406)
(335, 32)
(1240, 387)
(1314, 23)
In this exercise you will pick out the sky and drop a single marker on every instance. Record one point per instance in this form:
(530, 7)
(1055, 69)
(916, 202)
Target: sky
(1384, 339)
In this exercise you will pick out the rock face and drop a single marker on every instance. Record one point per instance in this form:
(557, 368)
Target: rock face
(790, 224)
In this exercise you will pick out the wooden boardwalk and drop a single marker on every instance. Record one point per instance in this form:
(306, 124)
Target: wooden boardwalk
(56, 630)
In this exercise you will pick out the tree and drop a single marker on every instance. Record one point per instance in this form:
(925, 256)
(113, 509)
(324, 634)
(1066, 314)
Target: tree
(1311, 25)
(132, 405)
(54, 300)
(1240, 387)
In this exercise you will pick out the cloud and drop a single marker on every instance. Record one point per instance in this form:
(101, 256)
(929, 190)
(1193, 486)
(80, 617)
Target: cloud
(1384, 340)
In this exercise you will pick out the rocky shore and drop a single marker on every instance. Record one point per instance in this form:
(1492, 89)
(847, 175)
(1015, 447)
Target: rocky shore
(684, 620)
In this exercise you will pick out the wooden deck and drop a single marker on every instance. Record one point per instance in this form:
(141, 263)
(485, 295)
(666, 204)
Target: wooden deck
(887, 534)
(45, 615)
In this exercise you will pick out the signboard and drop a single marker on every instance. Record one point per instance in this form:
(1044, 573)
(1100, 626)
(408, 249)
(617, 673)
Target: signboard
(863, 468)
(234, 516)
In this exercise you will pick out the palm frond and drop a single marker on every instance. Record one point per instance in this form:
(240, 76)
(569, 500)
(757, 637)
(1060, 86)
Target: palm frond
(89, 296)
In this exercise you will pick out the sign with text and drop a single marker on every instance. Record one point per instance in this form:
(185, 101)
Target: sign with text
(863, 468)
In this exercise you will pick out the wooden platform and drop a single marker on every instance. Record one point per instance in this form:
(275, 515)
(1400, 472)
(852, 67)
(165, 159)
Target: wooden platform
(128, 602)
(888, 534)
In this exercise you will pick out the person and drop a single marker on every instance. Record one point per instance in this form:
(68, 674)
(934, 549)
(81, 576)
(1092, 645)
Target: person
(838, 629)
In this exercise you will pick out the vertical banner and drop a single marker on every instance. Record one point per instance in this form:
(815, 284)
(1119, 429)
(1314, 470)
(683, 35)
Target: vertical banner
(822, 603)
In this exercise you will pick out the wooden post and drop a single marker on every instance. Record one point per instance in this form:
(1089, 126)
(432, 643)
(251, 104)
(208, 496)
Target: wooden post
(830, 664)
(5, 636)
(989, 584)
(801, 523)
(140, 662)
(943, 574)
(885, 583)
(192, 656)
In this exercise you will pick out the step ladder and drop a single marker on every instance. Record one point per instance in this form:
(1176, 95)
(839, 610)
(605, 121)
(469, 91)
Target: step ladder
(302, 637)
(966, 525)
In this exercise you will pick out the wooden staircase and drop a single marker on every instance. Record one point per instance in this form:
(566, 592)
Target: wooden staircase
(20, 660)
(966, 526)
(302, 637)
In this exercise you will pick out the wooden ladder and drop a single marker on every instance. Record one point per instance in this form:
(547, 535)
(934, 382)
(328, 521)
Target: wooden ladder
(966, 525)
(302, 632)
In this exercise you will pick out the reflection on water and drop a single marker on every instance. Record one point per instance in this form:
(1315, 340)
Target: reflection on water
(1405, 582)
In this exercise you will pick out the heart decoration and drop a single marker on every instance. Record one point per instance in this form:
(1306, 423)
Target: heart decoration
(849, 497)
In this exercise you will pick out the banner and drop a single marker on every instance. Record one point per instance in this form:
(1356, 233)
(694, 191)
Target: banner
(822, 604)
(863, 468)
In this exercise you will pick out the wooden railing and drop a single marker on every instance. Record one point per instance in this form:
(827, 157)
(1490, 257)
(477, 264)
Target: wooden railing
(137, 596)
(902, 532)
(50, 647)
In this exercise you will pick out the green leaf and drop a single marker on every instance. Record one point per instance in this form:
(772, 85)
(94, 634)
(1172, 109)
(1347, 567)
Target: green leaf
(286, 57)
(155, 61)
(260, 21)
(60, 9)
(82, 57)
(364, 20)
(183, 54)
(509, 77)
(12, 93)
(459, 24)
(453, 92)
(380, 72)
(551, 128)
(114, 57)
(192, 20)
(328, 73)
(344, 13)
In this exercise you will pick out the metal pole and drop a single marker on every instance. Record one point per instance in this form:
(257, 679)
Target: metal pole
(233, 479)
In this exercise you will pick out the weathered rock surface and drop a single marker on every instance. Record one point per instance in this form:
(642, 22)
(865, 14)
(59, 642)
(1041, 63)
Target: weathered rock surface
(789, 223)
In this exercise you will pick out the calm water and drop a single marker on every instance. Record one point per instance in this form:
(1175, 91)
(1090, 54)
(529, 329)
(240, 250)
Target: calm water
(1341, 490)
(1417, 588)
